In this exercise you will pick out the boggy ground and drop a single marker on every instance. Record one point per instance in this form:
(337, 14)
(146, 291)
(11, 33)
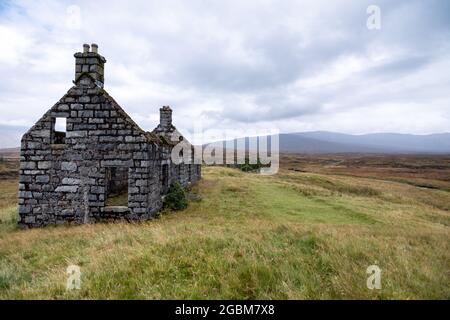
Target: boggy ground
(307, 234)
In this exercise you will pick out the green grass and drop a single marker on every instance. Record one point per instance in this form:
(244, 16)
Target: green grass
(290, 236)
(120, 199)
(284, 201)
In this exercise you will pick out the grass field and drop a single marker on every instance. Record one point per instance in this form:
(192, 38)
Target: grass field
(295, 235)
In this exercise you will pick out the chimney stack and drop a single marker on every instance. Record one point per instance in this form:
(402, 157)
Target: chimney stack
(165, 118)
(90, 62)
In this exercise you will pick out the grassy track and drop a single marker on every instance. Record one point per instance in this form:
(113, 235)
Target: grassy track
(295, 235)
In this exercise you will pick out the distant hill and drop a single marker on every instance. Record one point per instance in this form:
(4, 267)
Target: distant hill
(319, 142)
(390, 143)
(332, 142)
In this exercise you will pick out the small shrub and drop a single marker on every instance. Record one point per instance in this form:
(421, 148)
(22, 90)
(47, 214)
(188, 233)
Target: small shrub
(250, 167)
(175, 199)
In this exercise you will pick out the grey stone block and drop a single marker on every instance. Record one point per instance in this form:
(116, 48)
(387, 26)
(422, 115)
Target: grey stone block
(71, 181)
(66, 189)
(68, 166)
(44, 164)
(27, 165)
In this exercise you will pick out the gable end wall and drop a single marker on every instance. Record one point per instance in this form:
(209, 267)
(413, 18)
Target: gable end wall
(66, 183)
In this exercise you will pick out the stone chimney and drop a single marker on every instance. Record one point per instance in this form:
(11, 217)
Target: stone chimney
(90, 62)
(165, 118)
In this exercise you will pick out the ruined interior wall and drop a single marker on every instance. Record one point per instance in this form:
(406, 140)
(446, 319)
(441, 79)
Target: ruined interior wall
(184, 173)
(195, 172)
(117, 180)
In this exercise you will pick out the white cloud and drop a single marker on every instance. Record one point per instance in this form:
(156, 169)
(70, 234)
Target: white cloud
(309, 65)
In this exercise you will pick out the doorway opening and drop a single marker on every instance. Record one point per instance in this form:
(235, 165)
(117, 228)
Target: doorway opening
(116, 188)
(165, 178)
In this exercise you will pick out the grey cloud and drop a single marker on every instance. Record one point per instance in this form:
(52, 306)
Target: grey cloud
(398, 67)
(246, 61)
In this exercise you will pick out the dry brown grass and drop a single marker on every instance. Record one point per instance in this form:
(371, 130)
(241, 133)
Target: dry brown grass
(296, 235)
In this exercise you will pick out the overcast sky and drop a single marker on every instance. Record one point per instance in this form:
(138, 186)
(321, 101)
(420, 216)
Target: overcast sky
(291, 65)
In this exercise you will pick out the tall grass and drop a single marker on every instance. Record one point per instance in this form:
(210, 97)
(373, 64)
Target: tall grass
(250, 237)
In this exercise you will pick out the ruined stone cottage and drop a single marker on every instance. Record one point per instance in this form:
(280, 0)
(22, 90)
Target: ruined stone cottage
(86, 160)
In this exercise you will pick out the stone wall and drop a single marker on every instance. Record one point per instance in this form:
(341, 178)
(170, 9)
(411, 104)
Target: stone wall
(90, 62)
(64, 179)
(165, 120)
(66, 182)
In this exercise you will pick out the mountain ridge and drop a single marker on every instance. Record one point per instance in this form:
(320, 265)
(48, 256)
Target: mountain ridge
(384, 142)
(317, 142)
